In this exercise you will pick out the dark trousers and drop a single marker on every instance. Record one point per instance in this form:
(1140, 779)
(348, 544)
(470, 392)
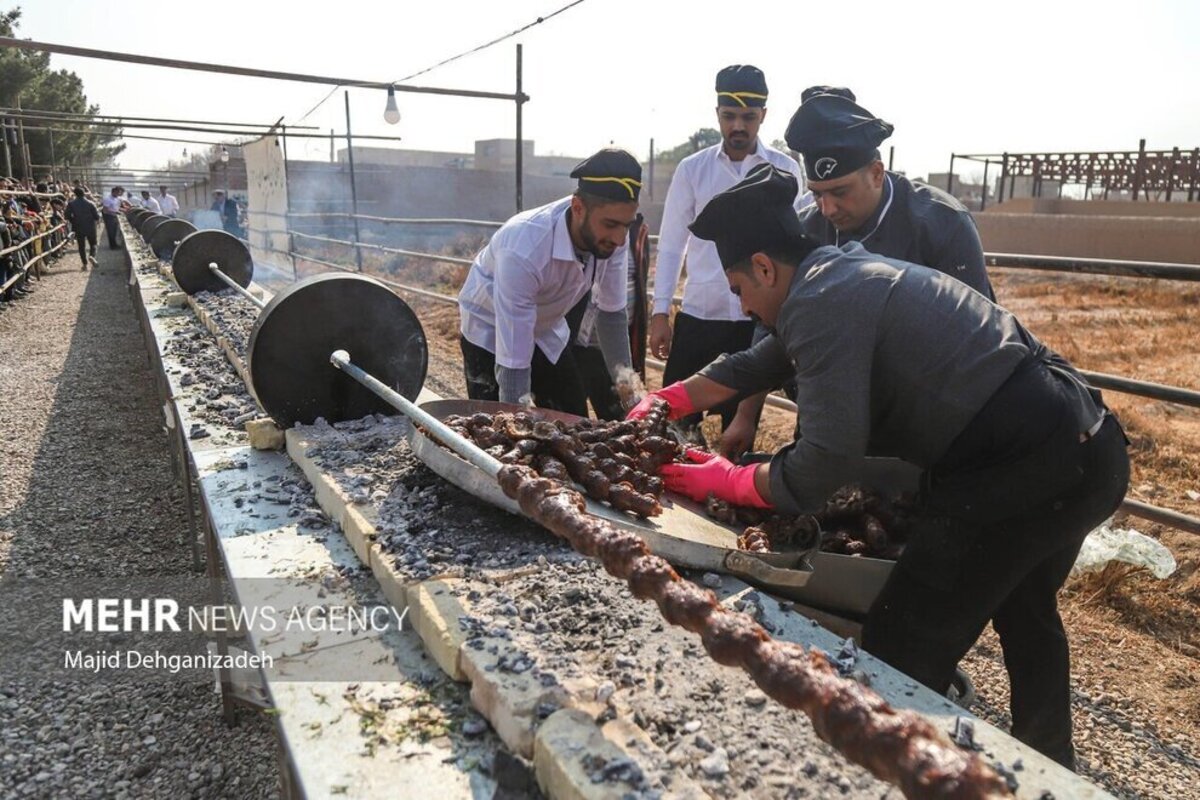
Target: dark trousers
(695, 344)
(995, 542)
(111, 228)
(84, 240)
(597, 382)
(553, 385)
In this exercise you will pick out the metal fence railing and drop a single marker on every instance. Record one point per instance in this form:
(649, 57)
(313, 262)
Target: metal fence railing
(32, 260)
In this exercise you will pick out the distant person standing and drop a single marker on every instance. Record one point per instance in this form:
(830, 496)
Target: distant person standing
(83, 217)
(228, 209)
(149, 203)
(111, 208)
(167, 203)
(711, 321)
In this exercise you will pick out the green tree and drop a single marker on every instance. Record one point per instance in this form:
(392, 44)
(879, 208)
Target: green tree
(26, 75)
(704, 137)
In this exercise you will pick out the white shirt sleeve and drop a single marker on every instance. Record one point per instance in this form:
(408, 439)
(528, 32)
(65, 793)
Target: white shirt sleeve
(612, 287)
(516, 286)
(803, 196)
(678, 213)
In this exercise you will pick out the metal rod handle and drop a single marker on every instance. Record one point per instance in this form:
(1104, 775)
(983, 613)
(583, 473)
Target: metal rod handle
(463, 447)
(232, 284)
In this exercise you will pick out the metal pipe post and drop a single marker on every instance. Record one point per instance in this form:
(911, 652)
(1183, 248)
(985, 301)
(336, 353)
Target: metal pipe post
(353, 187)
(54, 158)
(950, 176)
(650, 185)
(1195, 174)
(8, 154)
(891, 156)
(21, 140)
(987, 162)
(287, 211)
(520, 162)
(1003, 178)
(1138, 169)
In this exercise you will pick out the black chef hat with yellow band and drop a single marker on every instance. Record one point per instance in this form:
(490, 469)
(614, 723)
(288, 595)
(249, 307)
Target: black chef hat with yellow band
(612, 174)
(756, 215)
(835, 134)
(741, 86)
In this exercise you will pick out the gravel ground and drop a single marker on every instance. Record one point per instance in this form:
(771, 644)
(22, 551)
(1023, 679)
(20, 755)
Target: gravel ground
(88, 491)
(572, 618)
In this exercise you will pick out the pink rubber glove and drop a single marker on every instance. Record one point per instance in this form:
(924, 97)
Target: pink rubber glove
(676, 397)
(708, 474)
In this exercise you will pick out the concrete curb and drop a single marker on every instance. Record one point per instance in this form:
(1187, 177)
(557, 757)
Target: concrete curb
(520, 706)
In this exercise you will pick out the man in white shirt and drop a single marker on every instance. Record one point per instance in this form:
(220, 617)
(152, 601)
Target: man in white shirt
(524, 297)
(112, 206)
(711, 321)
(167, 203)
(150, 203)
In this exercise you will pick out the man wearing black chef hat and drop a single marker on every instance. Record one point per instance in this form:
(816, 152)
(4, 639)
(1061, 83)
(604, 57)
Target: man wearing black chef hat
(857, 200)
(1019, 458)
(527, 292)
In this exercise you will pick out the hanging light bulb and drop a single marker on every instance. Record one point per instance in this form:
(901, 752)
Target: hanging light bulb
(391, 113)
(224, 155)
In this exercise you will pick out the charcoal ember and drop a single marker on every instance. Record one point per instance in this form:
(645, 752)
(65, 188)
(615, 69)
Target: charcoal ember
(496, 451)
(592, 436)
(792, 533)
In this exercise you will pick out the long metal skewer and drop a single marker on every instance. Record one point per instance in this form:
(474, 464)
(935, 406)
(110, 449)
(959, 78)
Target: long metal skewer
(463, 447)
(232, 284)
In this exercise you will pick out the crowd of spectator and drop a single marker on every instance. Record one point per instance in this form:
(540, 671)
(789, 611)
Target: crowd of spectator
(33, 217)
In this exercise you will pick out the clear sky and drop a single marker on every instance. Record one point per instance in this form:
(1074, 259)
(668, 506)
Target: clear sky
(951, 76)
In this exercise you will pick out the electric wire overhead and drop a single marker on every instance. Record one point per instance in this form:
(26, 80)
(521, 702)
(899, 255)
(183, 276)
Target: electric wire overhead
(463, 54)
